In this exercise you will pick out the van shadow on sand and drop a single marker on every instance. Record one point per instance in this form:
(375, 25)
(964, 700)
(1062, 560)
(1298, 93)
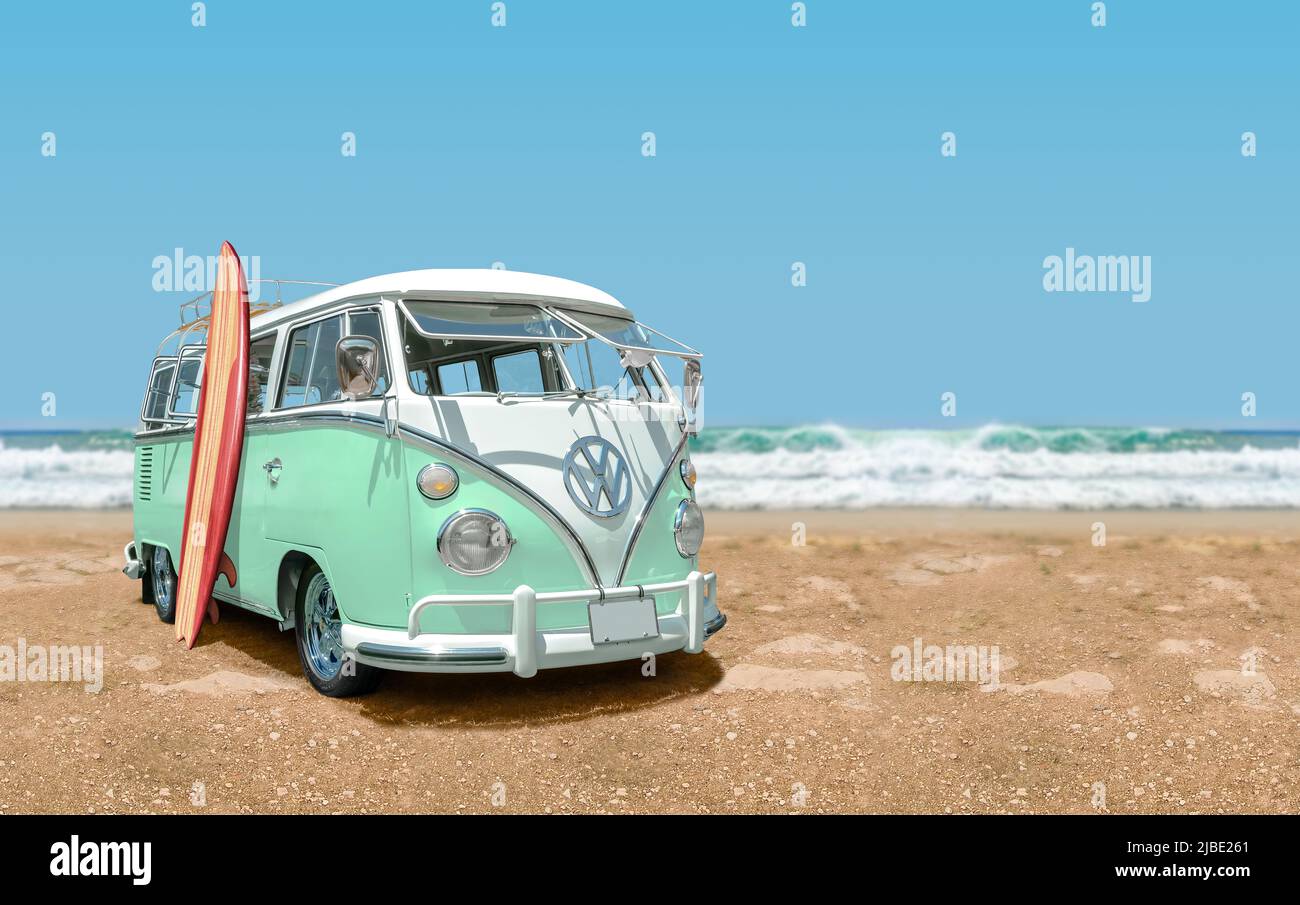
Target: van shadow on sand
(484, 699)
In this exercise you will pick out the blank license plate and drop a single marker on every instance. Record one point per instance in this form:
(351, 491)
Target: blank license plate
(623, 620)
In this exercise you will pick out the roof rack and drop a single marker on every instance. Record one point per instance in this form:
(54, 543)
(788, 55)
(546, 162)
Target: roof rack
(196, 304)
(200, 313)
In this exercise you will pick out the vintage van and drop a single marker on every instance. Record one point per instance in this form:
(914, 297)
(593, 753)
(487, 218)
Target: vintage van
(444, 471)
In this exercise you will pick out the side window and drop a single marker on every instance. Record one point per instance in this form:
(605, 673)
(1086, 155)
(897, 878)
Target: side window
(311, 375)
(185, 401)
(518, 372)
(459, 377)
(259, 372)
(366, 323)
(420, 380)
(295, 369)
(160, 387)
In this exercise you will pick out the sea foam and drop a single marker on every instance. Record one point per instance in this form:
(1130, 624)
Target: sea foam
(35, 477)
(996, 467)
(832, 467)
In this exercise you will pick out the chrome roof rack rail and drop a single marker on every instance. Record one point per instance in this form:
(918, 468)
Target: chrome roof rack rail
(195, 312)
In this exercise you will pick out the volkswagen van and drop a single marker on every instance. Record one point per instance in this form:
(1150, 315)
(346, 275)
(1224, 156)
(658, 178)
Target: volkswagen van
(444, 471)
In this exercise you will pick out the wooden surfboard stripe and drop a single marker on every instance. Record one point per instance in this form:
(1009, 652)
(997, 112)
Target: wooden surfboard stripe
(215, 394)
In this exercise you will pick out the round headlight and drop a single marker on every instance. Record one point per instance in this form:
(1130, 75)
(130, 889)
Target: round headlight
(437, 481)
(688, 473)
(474, 542)
(688, 528)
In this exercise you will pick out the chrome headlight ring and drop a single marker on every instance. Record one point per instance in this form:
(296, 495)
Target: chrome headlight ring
(688, 528)
(474, 542)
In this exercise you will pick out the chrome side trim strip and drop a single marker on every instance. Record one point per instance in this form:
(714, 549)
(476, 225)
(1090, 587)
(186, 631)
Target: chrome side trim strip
(162, 434)
(282, 418)
(372, 422)
(225, 596)
(293, 418)
(465, 655)
(645, 510)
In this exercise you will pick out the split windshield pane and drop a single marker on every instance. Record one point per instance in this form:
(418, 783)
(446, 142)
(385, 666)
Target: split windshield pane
(477, 320)
(597, 367)
(629, 333)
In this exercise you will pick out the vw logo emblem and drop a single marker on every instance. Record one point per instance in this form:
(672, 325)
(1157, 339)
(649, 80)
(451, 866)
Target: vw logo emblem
(596, 476)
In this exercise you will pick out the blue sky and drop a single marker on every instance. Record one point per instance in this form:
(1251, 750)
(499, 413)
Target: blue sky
(774, 145)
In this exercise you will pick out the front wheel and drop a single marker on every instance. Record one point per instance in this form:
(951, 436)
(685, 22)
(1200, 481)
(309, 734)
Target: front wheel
(318, 628)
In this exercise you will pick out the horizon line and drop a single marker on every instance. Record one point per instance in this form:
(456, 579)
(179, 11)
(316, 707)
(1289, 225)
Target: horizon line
(130, 429)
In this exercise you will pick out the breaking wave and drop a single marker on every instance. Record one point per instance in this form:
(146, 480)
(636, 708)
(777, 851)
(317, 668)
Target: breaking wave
(832, 467)
(90, 470)
(997, 467)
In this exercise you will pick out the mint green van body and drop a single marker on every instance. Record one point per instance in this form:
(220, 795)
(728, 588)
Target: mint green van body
(446, 471)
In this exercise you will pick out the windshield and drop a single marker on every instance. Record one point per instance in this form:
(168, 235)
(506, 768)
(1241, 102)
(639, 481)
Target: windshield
(475, 348)
(630, 334)
(598, 368)
(479, 320)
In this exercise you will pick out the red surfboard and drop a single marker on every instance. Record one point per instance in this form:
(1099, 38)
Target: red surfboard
(218, 448)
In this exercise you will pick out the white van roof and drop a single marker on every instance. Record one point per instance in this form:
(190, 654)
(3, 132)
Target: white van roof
(471, 285)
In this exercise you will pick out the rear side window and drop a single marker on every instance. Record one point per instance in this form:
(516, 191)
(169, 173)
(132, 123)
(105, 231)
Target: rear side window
(518, 372)
(185, 401)
(310, 374)
(459, 377)
(259, 372)
(159, 391)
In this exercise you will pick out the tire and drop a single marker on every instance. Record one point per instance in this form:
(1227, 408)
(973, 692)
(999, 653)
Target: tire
(161, 584)
(318, 630)
(146, 580)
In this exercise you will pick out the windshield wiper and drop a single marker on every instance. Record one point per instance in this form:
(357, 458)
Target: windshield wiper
(577, 393)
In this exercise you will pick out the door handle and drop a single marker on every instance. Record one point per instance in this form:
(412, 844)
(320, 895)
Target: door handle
(272, 469)
(391, 421)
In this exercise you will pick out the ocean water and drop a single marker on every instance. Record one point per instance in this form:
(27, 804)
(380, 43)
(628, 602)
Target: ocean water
(997, 467)
(86, 470)
(831, 467)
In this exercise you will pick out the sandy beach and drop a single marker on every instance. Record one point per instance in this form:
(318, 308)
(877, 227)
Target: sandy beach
(1157, 672)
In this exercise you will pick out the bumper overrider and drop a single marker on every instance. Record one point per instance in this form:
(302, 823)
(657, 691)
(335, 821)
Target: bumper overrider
(526, 650)
(134, 568)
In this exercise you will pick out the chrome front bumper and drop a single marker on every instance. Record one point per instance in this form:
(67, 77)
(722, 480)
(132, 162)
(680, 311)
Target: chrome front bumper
(134, 568)
(526, 650)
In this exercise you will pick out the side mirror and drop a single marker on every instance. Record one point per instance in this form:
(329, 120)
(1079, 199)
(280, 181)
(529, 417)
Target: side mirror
(358, 364)
(692, 379)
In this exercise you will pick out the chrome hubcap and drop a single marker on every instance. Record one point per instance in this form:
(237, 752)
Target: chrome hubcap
(324, 629)
(164, 579)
